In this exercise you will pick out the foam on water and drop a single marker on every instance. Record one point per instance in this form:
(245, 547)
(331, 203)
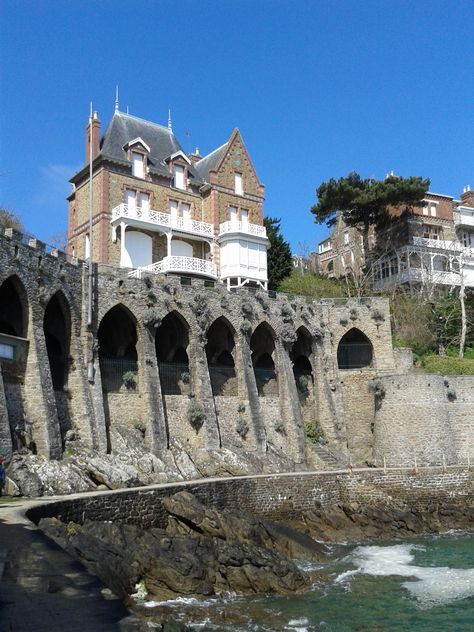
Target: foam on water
(434, 585)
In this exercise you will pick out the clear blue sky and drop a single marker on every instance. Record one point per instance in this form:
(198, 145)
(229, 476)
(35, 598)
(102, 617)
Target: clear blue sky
(317, 89)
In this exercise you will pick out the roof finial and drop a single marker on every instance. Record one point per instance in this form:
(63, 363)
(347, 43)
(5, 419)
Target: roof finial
(170, 126)
(116, 98)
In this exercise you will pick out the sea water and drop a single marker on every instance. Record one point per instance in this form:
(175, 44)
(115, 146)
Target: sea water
(425, 584)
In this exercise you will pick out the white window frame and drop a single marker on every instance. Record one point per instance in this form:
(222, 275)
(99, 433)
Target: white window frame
(138, 165)
(179, 182)
(238, 183)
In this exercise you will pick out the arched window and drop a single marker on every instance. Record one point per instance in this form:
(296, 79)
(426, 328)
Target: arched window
(56, 326)
(219, 349)
(300, 354)
(354, 351)
(117, 349)
(171, 344)
(262, 346)
(13, 308)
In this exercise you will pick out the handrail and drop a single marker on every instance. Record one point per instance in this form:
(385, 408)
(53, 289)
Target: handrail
(162, 219)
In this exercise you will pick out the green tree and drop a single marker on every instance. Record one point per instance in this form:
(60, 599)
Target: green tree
(279, 259)
(9, 219)
(365, 203)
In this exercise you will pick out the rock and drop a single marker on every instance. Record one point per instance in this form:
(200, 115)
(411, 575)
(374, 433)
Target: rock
(202, 552)
(11, 488)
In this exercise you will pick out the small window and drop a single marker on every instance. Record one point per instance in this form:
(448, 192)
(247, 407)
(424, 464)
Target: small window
(233, 213)
(185, 210)
(179, 177)
(433, 210)
(238, 183)
(7, 351)
(144, 201)
(87, 252)
(130, 198)
(244, 216)
(425, 210)
(137, 165)
(346, 238)
(173, 208)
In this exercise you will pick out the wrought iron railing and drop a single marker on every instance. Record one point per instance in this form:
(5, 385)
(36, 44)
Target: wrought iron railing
(150, 216)
(223, 380)
(117, 373)
(174, 378)
(267, 383)
(354, 355)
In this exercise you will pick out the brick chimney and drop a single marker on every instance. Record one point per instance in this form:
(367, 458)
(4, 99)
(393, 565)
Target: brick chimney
(467, 196)
(95, 138)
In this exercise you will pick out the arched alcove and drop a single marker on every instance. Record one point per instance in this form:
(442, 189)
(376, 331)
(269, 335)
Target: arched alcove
(56, 327)
(219, 352)
(118, 357)
(300, 356)
(354, 351)
(13, 308)
(262, 346)
(171, 345)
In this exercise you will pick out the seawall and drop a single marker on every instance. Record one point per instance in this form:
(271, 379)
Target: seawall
(280, 496)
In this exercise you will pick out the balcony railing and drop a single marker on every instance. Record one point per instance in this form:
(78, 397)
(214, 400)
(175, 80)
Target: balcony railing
(463, 219)
(242, 227)
(126, 211)
(440, 244)
(191, 265)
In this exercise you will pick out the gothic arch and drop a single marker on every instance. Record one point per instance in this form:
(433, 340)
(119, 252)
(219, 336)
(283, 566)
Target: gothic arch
(262, 347)
(117, 336)
(355, 351)
(171, 347)
(57, 333)
(13, 308)
(220, 348)
(300, 355)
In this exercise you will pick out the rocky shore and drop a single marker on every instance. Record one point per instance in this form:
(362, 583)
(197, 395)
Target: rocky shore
(204, 552)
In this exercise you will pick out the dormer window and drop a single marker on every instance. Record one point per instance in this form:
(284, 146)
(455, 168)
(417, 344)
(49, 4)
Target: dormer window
(137, 165)
(137, 152)
(238, 183)
(178, 173)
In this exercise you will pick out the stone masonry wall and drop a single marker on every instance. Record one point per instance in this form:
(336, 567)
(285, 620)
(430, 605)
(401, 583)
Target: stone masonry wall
(425, 417)
(272, 497)
(416, 417)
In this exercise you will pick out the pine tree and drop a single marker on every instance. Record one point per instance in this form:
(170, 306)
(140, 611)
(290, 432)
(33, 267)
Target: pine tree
(279, 259)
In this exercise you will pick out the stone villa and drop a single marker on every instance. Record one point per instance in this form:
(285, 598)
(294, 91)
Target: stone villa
(158, 210)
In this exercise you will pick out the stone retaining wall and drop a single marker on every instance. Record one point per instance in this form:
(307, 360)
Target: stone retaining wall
(274, 497)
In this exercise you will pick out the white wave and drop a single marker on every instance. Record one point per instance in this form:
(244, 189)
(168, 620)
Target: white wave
(434, 585)
(297, 625)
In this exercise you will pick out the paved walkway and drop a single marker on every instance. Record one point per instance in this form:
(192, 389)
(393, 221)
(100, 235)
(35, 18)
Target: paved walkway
(42, 589)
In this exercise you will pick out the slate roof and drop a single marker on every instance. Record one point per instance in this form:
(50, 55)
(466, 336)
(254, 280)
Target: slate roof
(210, 162)
(162, 142)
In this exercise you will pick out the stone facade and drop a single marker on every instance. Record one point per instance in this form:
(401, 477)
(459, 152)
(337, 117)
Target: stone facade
(187, 361)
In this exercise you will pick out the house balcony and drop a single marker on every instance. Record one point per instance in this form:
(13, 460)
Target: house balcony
(179, 265)
(437, 244)
(148, 219)
(464, 217)
(242, 227)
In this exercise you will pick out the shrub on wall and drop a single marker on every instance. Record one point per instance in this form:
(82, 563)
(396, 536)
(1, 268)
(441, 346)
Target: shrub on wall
(196, 414)
(129, 379)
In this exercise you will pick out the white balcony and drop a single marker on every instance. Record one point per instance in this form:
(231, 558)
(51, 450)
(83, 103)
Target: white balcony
(144, 216)
(181, 265)
(464, 217)
(243, 227)
(439, 244)
(326, 247)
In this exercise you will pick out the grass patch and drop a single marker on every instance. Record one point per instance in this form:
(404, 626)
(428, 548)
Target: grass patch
(445, 365)
(8, 499)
